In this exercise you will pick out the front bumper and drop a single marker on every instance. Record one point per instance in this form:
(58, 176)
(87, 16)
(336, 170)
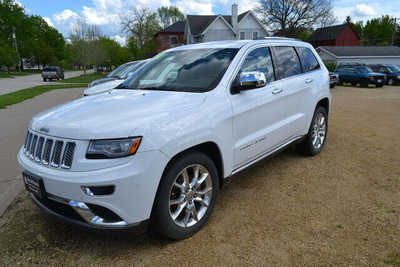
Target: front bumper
(130, 204)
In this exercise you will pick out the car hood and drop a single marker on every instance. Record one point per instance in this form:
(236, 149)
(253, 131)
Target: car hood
(117, 114)
(103, 87)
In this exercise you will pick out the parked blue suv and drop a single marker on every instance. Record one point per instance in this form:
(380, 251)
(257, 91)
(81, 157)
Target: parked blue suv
(359, 74)
(392, 72)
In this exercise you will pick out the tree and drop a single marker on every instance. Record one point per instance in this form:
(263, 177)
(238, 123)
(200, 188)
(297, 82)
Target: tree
(379, 31)
(8, 56)
(84, 48)
(169, 15)
(142, 25)
(288, 16)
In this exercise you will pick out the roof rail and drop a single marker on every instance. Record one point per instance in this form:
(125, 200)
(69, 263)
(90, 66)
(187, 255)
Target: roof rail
(277, 38)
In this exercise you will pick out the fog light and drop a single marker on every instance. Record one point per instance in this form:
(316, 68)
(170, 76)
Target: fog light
(98, 190)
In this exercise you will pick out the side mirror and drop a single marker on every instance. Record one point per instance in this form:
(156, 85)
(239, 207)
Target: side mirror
(248, 80)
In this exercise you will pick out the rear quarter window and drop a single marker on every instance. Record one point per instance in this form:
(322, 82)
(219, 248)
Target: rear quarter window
(308, 59)
(286, 61)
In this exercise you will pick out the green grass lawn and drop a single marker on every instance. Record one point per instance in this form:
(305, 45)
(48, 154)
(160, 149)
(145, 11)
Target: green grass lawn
(24, 94)
(88, 78)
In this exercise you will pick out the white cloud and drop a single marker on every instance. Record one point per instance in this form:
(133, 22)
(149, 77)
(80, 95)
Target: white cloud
(195, 7)
(65, 15)
(48, 20)
(120, 39)
(362, 10)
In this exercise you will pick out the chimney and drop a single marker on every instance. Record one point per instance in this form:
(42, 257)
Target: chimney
(235, 19)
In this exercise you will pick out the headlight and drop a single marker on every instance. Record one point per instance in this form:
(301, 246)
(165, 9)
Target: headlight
(398, 77)
(114, 148)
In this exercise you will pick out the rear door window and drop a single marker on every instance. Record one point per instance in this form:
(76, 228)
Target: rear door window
(308, 59)
(286, 61)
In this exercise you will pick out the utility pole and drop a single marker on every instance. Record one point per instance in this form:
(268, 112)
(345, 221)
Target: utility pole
(394, 31)
(16, 46)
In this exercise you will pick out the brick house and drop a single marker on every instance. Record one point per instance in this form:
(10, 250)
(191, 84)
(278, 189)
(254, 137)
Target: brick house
(338, 35)
(171, 36)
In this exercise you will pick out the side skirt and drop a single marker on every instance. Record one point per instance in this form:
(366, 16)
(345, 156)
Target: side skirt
(267, 154)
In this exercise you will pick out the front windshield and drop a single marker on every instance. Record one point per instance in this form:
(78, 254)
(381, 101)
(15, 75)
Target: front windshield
(131, 69)
(394, 68)
(364, 70)
(189, 70)
(117, 72)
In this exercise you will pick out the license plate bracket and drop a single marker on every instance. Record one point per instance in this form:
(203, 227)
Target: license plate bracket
(34, 184)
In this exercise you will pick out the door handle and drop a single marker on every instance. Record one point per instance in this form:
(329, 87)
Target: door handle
(309, 80)
(277, 91)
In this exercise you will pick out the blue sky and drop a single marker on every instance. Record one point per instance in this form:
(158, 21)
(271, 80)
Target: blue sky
(106, 13)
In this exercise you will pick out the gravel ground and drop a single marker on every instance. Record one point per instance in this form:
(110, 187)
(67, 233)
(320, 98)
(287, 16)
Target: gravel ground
(339, 208)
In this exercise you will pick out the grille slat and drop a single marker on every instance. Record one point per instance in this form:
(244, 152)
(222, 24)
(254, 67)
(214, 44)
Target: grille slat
(47, 151)
(39, 149)
(51, 151)
(33, 146)
(56, 158)
(68, 155)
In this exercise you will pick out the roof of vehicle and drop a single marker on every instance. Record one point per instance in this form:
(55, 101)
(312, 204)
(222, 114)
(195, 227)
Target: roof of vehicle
(241, 43)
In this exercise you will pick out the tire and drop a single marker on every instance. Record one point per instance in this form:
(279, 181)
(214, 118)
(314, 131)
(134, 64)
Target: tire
(44, 79)
(308, 145)
(379, 85)
(354, 84)
(332, 85)
(162, 221)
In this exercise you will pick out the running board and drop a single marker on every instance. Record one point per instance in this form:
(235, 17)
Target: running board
(263, 156)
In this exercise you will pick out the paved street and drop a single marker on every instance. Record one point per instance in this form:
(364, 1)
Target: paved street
(14, 121)
(8, 85)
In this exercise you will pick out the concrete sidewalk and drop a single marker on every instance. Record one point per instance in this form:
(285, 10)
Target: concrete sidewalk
(13, 125)
(8, 85)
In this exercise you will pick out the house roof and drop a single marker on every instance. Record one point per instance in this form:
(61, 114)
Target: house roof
(177, 27)
(328, 33)
(362, 51)
(198, 23)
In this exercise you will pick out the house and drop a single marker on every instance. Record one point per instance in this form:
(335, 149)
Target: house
(171, 36)
(360, 54)
(206, 28)
(338, 35)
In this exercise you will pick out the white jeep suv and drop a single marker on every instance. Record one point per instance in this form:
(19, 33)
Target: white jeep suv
(157, 149)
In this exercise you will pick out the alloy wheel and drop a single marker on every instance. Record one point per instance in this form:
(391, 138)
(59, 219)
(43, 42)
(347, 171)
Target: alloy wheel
(319, 131)
(190, 195)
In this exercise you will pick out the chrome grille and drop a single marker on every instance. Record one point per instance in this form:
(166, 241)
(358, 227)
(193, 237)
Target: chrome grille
(49, 151)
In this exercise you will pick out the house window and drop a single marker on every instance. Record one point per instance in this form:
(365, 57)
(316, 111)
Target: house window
(242, 35)
(255, 35)
(173, 40)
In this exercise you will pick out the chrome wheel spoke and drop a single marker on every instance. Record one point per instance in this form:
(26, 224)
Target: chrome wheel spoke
(187, 217)
(205, 191)
(180, 200)
(193, 212)
(202, 178)
(179, 210)
(201, 201)
(185, 176)
(180, 186)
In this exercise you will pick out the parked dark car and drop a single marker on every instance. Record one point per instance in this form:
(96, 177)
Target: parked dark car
(359, 74)
(50, 73)
(333, 79)
(392, 72)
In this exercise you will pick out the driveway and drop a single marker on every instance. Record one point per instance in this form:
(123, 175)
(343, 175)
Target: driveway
(14, 122)
(340, 208)
(9, 85)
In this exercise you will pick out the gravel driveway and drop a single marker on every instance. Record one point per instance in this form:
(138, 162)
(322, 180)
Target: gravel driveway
(341, 208)
(8, 85)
